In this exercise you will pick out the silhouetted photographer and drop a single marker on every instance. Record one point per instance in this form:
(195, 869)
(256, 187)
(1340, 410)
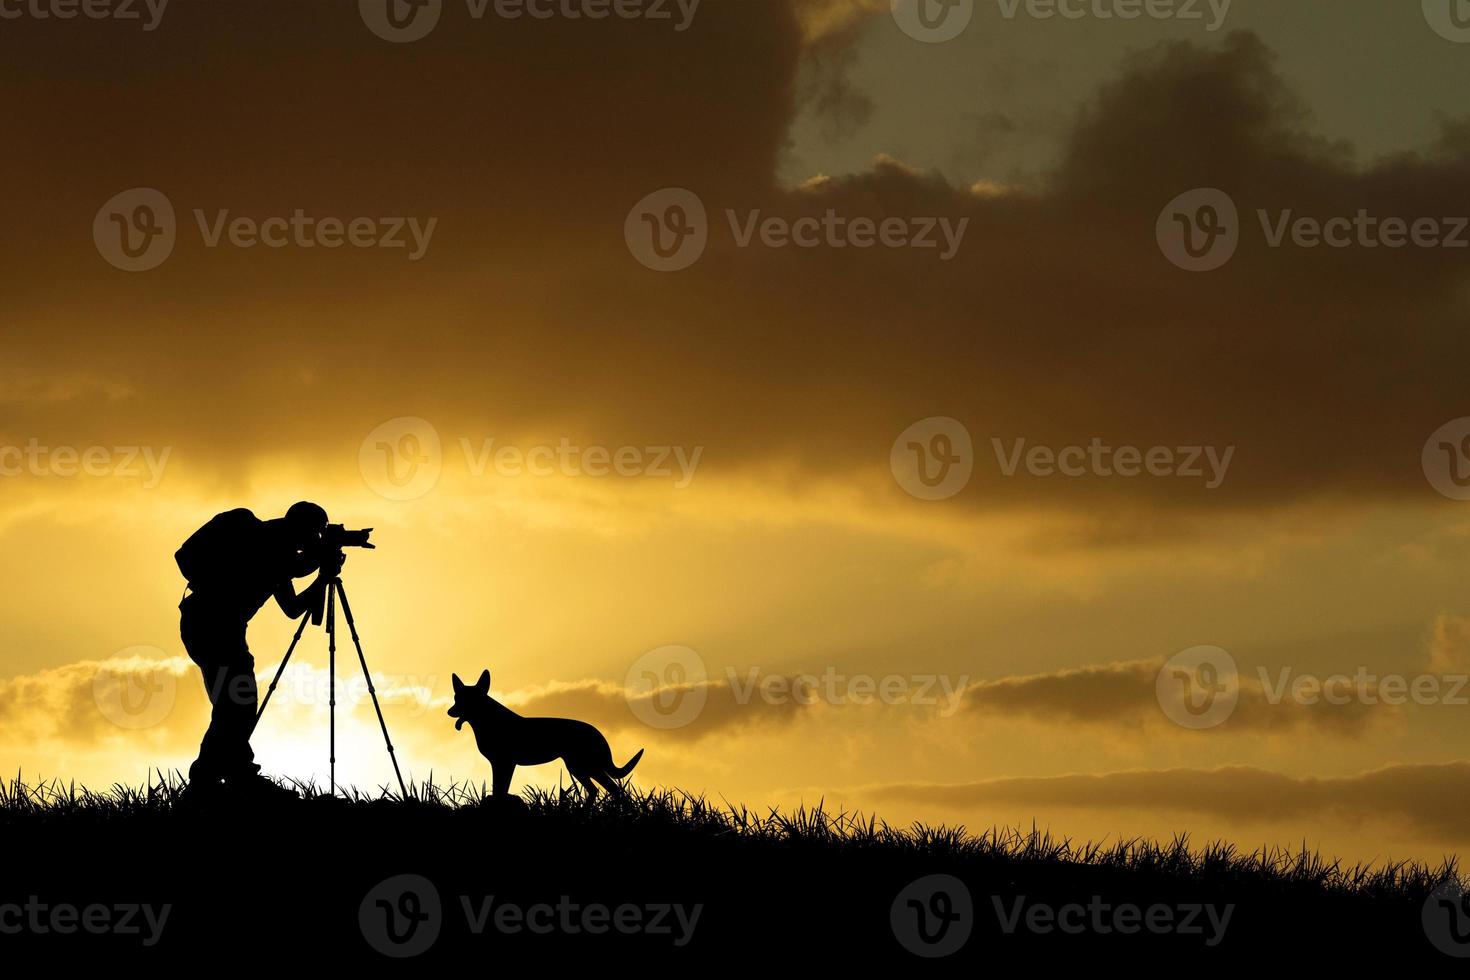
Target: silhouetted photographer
(235, 564)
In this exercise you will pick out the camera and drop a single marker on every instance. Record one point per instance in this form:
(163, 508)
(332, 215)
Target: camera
(336, 537)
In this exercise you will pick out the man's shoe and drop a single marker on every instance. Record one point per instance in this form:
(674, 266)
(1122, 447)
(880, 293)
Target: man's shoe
(202, 792)
(258, 787)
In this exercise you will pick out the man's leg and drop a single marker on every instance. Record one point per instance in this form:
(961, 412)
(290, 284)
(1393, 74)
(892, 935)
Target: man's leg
(218, 648)
(236, 720)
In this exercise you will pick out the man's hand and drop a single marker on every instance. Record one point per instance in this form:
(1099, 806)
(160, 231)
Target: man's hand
(314, 600)
(309, 600)
(332, 565)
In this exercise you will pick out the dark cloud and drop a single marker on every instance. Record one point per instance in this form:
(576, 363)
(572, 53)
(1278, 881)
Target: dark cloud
(141, 700)
(1413, 793)
(156, 701)
(825, 88)
(1059, 321)
(1123, 698)
(724, 711)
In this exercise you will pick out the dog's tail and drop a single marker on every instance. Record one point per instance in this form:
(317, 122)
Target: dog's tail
(621, 773)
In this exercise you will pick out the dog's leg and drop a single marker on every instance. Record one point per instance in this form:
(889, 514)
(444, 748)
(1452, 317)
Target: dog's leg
(501, 773)
(583, 775)
(613, 786)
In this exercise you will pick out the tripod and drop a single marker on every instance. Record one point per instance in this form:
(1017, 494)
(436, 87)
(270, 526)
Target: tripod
(335, 593)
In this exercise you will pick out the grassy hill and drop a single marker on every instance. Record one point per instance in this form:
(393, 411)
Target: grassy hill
(657, 877)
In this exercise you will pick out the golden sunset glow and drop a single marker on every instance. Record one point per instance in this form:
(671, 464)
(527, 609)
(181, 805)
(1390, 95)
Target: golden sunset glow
(987, 658)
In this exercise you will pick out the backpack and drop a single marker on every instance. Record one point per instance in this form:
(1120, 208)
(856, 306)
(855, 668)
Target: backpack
(211, 554)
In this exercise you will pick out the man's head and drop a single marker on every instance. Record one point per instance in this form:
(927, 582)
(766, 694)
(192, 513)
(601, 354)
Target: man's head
(305, 522)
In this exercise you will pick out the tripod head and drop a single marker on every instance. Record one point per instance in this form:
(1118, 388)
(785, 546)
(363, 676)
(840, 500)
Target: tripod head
(325, 587)
(334, 541)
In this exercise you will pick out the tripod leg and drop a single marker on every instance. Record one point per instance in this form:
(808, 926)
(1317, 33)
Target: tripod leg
(279, 671)
(352, 628)
(332, 686)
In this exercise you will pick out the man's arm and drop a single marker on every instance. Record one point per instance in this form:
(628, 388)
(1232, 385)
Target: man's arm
(302, 565)
(295, 605)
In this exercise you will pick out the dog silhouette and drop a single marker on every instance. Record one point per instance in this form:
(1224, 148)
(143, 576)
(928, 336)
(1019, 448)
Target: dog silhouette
(509, 740)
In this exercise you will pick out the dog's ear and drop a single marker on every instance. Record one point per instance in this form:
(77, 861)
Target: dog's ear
(483, 684)
(458, 684)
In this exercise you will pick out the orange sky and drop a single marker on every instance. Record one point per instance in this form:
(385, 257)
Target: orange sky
(621, 469)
